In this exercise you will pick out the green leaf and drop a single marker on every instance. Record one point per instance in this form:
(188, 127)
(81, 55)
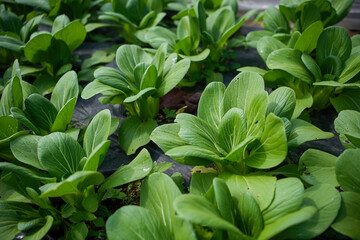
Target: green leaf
(128, 223)
(196, 131)
(289, 60)
(319, 167)
(312, 66)
(351, 68)
(96, 87)
(267, 45)
(65, 89)
(59, 154)
(302, 131)
(159, 201)
(12, 96)
(282, 102)
(128, 56)
(143, 94)
(27, 173)
(272, 148)
(163, 133)
(275, 21)
(349, 215)
(241, 90)
(347, 125)
(232, 129)
(328, 208)
(308, 39)
(139, 168)
(95, 159)
(73, 34)
(334, 41)
(198, 57)
(35, 50)
(24, 149)
(64, 116)
(201, 183)
(97, 131)
(291, 219)
(289, 194)
(249, 218)
(199, 210)
(193, 155)
(113, 78)
(76, 182)
(174, 76)
(42, 231)
(10, 43)
(79, 231)
(210, 104)
(252, 38)
(261, 187)
(134, 133)
(59, 23)
(302, 102)
(224, 200)
(347, 170)
(347, 100)
(19, 115)
(41, 111)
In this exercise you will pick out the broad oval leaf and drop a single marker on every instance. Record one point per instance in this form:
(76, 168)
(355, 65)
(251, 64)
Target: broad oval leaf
(267, 45)
(65, 89)
(137, 169)
(59, 154)
(76, 182)
(35, 49)
(41, 111)
(282, 102)
(73, 34)
(64, 116)
(24, 149)
(163, 133)
(289, 60)
(210, 104)
(347, 125)
(128, 223)
(97, 131)
(347, 170)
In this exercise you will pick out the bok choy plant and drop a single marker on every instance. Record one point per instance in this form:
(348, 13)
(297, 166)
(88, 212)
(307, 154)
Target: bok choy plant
(319, 65)
(238, 128)
(143, 79)
(156, 210)
(322, 168)
(14, 34)
(53, 183)
(53, 50)
(257, 207)
(13, 95)
(278, 21)
(129, 16)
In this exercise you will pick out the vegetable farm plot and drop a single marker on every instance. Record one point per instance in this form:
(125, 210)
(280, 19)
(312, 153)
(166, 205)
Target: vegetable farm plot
(174, 119)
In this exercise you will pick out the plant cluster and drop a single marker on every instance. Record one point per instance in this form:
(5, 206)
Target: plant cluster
(319, 61)
(242, 185)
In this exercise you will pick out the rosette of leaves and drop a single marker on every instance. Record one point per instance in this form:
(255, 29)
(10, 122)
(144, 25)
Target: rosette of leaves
(322, 168)
(156, 209)
(238, 128)
(53, 50)
(277, 21)
(318, 64)
(56, 166)
(143, 79)
(185, 42)
(256, 207)
(129, 16)
(43, 116)
(13, 95)
(14, 34)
